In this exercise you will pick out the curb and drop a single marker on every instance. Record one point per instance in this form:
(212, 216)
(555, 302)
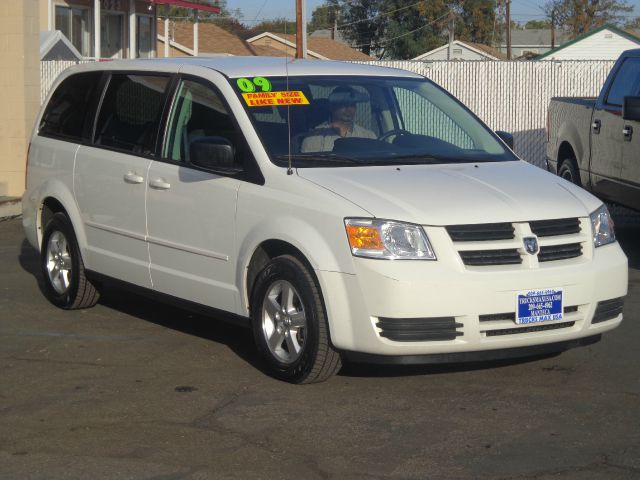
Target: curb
(10, 207)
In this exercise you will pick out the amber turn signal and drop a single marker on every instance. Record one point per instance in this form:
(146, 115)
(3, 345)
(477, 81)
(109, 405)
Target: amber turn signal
(364, 237)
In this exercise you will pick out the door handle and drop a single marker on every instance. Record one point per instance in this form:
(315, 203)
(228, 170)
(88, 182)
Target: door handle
(627, 131)
(159, 184)
(133, 177)
(595, 126)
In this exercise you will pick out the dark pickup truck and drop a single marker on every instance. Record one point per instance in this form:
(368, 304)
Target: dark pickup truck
(595, 142)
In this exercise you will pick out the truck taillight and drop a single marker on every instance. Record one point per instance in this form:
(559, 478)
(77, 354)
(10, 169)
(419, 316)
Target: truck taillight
(548, 126)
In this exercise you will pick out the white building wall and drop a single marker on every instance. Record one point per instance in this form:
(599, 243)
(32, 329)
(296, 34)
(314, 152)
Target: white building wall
(604, 45)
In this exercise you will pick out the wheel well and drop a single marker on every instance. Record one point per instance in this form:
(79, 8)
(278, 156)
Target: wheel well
(565, 152)
(49, 208)
(265, 252)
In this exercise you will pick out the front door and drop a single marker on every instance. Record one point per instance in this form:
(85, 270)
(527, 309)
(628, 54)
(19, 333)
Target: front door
(191, 212)
(609, 146)
(110, 176)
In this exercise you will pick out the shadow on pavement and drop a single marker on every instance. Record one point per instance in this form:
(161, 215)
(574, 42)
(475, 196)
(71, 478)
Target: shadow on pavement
(629, 239)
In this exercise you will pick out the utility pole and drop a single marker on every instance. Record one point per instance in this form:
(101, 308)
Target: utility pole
(301, 29)
(508, 29)
(553, 28)
(452, 26)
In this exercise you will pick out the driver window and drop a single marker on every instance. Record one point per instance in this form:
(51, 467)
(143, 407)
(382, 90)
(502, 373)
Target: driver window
(197, 112)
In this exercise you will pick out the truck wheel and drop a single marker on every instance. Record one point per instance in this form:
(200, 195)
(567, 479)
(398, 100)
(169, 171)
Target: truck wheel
(66, 285)
(289, 323)
(569, 171)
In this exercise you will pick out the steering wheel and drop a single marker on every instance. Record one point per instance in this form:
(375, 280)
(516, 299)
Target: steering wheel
(396, 131)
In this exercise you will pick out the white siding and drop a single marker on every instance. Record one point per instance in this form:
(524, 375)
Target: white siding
(603, 45)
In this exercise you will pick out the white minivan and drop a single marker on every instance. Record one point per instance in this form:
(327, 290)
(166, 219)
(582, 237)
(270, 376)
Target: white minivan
(340, 210)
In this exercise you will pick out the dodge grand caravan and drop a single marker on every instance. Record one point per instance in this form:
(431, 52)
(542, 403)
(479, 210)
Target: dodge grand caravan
(340, 210)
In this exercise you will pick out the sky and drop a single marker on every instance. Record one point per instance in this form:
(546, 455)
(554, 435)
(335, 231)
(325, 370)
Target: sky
(256, 10)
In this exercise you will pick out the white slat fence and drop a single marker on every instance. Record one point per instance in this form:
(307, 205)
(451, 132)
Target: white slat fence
(510, 96)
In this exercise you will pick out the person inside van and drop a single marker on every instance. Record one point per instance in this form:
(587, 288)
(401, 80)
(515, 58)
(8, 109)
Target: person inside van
(342, 105)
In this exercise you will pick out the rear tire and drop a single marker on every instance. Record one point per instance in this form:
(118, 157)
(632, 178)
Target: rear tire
(289, 323)
(65, 282)
(569, 171)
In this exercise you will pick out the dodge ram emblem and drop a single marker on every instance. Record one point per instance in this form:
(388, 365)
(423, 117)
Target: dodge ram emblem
(531, 245)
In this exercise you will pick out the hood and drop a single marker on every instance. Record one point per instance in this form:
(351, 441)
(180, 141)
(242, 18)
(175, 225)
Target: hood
(456, 194)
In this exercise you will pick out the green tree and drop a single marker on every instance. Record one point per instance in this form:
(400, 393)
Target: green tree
(415, 29)
(633, 24)
(360, 22)
(324, 16)
(537, 24)
(581, 16)
(477, 21)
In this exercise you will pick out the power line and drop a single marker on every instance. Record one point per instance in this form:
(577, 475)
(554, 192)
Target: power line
(381, 14)
(389, 40)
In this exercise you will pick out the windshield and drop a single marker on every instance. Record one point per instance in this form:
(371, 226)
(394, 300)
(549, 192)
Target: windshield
(352, 121)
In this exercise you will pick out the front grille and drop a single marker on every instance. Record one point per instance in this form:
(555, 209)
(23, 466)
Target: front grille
(507, 256)
(535, 328)
(608, 310)
(496, 317)
(502, 243)
(559, 252)
(480, 233)
(549, 228)
(419, 329)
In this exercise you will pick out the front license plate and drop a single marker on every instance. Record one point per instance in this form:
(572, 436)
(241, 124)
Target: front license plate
(539, 306)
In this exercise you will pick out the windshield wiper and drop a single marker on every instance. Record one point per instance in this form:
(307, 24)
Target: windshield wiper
(329, 157)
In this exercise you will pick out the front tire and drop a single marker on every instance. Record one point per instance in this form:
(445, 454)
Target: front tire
(65, 283)
(289, 323)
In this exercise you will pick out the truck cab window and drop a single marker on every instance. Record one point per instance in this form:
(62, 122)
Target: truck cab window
(626, 83)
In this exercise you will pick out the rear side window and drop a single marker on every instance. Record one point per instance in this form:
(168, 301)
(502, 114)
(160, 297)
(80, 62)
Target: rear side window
(129, 117)
(626, 83)
(67, 112)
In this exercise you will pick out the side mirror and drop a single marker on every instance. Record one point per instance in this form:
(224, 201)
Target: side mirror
(631, 108)
(506, 138)
(213, 153)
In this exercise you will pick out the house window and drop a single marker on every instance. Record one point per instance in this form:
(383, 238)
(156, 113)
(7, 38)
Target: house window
(74, 23)
(112, 35)
(457, 53)
(145, 36)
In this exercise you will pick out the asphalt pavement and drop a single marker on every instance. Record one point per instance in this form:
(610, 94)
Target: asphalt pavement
(133, 389)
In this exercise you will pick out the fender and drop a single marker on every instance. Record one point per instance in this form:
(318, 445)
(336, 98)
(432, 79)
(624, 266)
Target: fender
(316, 248)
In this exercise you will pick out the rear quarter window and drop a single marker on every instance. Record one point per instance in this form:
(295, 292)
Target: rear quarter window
(67, 112)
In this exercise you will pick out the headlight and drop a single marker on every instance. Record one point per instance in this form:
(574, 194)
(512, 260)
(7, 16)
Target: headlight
(374, 238)
(602, 227)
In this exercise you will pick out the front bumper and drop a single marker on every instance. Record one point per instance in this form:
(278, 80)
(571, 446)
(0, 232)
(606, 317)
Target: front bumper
(479, 300)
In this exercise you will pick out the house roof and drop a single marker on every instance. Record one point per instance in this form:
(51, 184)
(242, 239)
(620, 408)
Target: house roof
(532, 37)
(612, 28)
(323, 48)
(55, 44)
(211, 38)
(484, 50)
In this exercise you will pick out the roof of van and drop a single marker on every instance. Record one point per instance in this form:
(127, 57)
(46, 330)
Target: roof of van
(235, 67)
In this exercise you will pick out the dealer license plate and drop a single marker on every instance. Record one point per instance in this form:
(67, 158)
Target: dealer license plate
(539, 306)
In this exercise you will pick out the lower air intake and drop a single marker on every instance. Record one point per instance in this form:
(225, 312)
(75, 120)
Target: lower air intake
(608, 310)
(434, 329)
